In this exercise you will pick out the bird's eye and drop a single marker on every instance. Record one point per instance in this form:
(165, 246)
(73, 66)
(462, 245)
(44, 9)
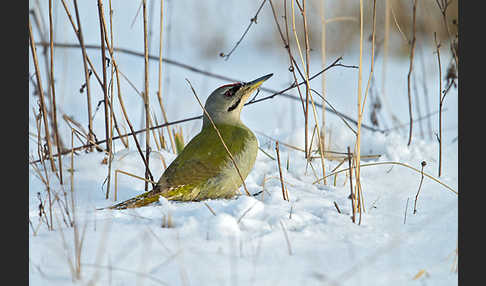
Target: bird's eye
(228, 93)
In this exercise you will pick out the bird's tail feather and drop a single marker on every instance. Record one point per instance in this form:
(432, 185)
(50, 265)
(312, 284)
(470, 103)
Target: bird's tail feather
(138, 201)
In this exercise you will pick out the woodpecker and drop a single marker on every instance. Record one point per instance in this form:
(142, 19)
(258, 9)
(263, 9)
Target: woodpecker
(203, 169)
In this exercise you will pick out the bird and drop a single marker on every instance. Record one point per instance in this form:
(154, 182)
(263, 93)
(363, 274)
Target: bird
(204, 169)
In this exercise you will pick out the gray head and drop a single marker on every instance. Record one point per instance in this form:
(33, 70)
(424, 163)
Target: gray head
(225, 103)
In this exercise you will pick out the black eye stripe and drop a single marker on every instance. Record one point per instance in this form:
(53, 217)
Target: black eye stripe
(230, 92)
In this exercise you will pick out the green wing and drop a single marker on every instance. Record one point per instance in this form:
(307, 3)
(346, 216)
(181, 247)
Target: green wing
(200, 160)
(204, 156)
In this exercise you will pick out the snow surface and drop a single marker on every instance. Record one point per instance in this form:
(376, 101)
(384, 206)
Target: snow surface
(260, 240)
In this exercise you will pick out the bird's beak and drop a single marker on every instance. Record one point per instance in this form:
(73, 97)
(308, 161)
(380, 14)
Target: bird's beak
(257, 82)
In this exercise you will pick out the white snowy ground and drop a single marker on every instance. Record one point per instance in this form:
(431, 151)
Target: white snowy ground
(245, 244)
(259, 240)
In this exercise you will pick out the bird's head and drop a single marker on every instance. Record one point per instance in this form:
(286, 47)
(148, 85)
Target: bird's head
(225, 103)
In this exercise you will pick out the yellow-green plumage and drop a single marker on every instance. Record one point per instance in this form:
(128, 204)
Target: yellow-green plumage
(204, 170)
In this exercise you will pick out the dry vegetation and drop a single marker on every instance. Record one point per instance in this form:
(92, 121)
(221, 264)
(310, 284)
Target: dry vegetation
(391, 27)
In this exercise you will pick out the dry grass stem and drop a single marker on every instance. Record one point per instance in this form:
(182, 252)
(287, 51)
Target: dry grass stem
(357, 156)
(308, 88)
(79, 34)
(131, 175)
(146, 93)
(420, 186)
(337, 207)
(105, 80)
(412, 53)
(286, 42)
(351, 195)
(437, 46)
(400, 164)
(210, 208)
(53, 91)
(133, 133)
(41, 97)
(280, 172)
(306, 109)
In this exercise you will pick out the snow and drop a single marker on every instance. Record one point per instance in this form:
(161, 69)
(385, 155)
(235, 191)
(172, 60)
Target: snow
(263, 239)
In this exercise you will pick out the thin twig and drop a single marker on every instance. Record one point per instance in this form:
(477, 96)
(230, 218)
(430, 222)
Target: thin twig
(252, 20)
(420, 186)
(412, 53)
(280, 172)
(105, 80)
(53, 91)
(357, 157)
(337, 207)
(351, 195)
(286, 42)
(79, 34)
(210, 209)
(41, 97)
(146, 94)
(437, 46)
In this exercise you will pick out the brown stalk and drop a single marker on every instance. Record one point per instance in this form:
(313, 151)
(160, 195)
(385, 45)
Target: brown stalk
(41, 97)
(133, 133)
(210, 209)
(146, 94)
(420, 186)
(220, 137)
(280, 172)
(112, 114)
(286, 42)
(103, 64)
(131, 175)
(79, 34)
(412, 53)
(46, 180)
(443, 5)
(323, 79)
(373, 36)
(307, 70)
(353, 207)
(308, 89)
(337, 207)
(39, 21)
(306, 109)
(159, 93)
(357, 158)
(53, 91)
(105, 96)
(437, 46)
(143, 98)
